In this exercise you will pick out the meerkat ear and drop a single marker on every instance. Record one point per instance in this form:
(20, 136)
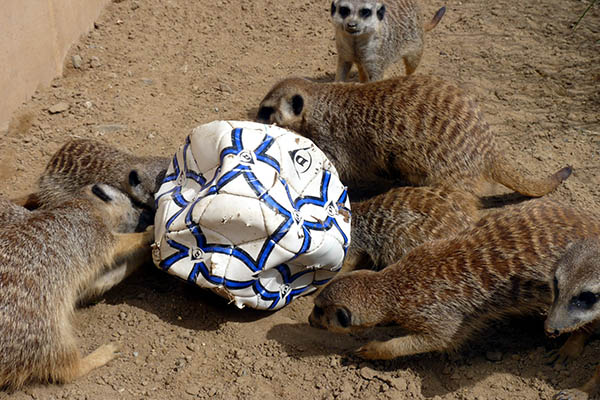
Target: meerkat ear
(332, 8)
(381, 12)
(134, 178)
(297, 104)
(98, 191)
(343, 317)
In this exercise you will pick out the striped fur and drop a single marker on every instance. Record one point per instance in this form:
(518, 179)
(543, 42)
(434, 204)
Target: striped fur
(417, 130)
(443, 292)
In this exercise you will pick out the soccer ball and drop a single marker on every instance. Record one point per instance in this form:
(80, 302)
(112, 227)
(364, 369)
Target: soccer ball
(254, 212)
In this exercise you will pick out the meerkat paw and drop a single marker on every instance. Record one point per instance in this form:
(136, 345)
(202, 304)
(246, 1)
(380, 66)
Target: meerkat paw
(99, 357)
(569, 351)
(374, 351)
(571, 394)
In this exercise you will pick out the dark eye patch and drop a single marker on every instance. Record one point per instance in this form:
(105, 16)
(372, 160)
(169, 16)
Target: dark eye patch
(343, 317)
(555, 288)
(332, 8)
(344, 12)
(381, 12)
(134, 178)
(318, 311)
(585, 301)
(97, 190)
(365, 12)
(297, 104)
(264, 114)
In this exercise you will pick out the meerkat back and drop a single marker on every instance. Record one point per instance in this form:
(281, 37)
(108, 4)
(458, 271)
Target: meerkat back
(373, 35)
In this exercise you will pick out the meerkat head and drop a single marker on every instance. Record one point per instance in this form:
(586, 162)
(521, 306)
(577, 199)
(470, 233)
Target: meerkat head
(286, 104)
(115, 207)
(144, 180)
(357, 17)
(349, 302)
(576, 288)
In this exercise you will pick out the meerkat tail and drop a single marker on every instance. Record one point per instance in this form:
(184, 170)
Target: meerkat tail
(436, 18)
(503, 173)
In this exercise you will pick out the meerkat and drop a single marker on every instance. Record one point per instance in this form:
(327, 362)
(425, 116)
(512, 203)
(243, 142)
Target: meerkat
(387, 226)
(375, 35)
(443, 292)
(82, 162)
(46, 261)
(11, 212)
(415, 130)
(576, 307)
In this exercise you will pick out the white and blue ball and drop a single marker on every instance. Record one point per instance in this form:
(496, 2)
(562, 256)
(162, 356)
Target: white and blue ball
(254, 212)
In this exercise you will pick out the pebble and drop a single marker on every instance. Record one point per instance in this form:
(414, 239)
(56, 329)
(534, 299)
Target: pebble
(76, 60)
(59, 107)
(225, 88)
(367, 373)
(109, 128)
(95, 62)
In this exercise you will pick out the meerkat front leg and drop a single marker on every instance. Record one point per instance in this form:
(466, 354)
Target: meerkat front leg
(398, 347)
(574, 345)
(343, 68)
(129, 244)
(99, 357)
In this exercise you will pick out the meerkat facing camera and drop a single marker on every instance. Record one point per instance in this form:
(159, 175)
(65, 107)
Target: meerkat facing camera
(576, 307)
(376, 34)
(81, 162)
(47, 260)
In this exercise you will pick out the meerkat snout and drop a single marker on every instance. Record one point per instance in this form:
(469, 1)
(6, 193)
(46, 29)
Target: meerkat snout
(338, 320)
(284, 110)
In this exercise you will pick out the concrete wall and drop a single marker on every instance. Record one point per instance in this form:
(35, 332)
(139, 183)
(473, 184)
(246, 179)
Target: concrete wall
(35, 36)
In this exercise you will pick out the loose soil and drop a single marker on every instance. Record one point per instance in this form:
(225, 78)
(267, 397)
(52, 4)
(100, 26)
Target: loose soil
(153, 70)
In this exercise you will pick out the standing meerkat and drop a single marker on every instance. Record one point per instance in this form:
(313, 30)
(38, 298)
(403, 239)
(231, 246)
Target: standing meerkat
(443, 292)
(376, 34)
(419, 130)
(82, 162)
(387, 226)
(46, 261)
(576, 307)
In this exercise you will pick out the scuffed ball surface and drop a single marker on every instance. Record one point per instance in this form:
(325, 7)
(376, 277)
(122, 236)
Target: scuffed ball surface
(254, 212)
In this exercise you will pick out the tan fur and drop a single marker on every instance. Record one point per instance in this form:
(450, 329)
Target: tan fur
(443, 292)
(47, 260)
(82, 162)
(375, 34)
(387, 226)
(576, 306)
(417, 130)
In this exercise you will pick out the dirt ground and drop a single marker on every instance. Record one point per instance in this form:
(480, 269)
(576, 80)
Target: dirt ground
(152, 70)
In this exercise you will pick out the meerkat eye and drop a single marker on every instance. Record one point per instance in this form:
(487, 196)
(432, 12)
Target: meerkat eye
(585, 300)
(365, 12)
(344, 12)
(343, 317)
(264, 114)
(332, 8)
(381, 12)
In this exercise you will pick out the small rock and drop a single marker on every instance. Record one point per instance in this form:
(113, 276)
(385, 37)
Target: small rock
(88, 104)
(225, 88)
(493, 356)
(95, 62)
(76, 60)
(58, 108)
(367, 373)
(148, 81)
(135, 5)
(193, 390)
(135, 354)
(122, 315)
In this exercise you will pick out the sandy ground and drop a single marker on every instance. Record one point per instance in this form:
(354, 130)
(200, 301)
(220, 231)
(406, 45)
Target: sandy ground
(152, 70)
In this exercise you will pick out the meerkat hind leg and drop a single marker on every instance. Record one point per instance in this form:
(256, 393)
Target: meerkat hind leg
(398, 347)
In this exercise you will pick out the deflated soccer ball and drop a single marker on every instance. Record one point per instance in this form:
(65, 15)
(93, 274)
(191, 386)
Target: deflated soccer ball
(254, 212)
